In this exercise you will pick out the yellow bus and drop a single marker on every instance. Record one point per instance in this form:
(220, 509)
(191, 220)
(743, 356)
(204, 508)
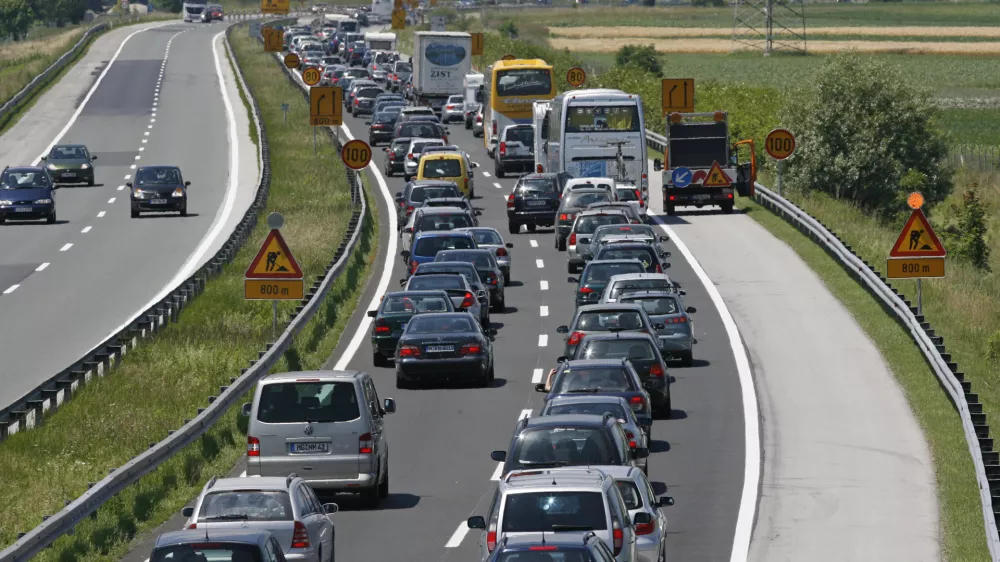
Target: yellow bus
(510, 87)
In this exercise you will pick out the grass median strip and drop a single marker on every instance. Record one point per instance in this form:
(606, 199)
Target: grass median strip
(165, 380)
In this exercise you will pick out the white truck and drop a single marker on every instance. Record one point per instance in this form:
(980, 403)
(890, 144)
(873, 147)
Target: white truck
(380, 41)
(381, 12)
(441, 59)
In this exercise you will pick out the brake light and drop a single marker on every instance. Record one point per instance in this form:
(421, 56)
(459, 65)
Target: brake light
(539, 168)
(501, 252)
(381, 327)
(466, 183)
(409, 210)
(637, 403)
(356, 101)
(493, 279)
(564, 217)
(392, 156)
(192, 526)
(469, 300)
(673, 197)
(510, 201)
(572, 239)
(656, 371)
(445, 139)
(410, 156)
(619, 537)
(253, 447)
(638, 195)
(503, 148)
(574, 338)
(659, 269)
(494, 127)
(450, 107)
(479, 119)
(409, 351)
(491, 537)
(413, 267)
(300, 539)
(631, 439)
(586, 290)
(470, 349)
(645, 528)
(678, 320)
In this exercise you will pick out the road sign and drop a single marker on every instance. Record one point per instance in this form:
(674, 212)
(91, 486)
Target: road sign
(914, 268)
(478, 43)
(292, 60)
(438, 23)
(681, 177)
(311, 76)
(326, 106)
(356, 154)
(274, 260)
(397, 4)
(273, 289)
(414, 4)
(677, 94)
(273, 39)
(576, 76)
(716, 177)
(509, 57)
(917, 240)
(434, 3)
(399, 19)
(274, 6)
(780, 144)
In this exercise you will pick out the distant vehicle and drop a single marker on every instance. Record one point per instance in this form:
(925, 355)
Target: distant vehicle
(27, 193)
(158, 189)
(440, 62)
(394, 312)
(193, 10)
(70, 163)
(516, 151)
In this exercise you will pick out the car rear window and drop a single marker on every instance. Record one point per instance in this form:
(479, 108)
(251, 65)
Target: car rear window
(429, 246)
(645, 255)
(523, 135)
(573, 446)
(630, 493)
(465, 270)
(255, 505)
(617, 349)
(445, 282)
(655, 305)
(628, 194)
(602, 272)
(445, 222)
(540, 185)
(590, 379)
(551, 554)
(593, 409)
(412, 304)
(418, 147)
(626, 230)
(589, 223)
(368, 92)
(441, 168)
(481, 260)
(440, 324)
(214, 551)
(606, 321)
(420, 129)
(297, 402)
(624, 287)
(535, 512)
(581, 200)
(421, 194)
(487, 237)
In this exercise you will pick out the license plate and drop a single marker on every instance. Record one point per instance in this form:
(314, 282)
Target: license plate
(403, 328)
(537, 202)
(702, 196)
(440, 348)
(159, 201)
(69, 175)
(23, 210)
(310, 447)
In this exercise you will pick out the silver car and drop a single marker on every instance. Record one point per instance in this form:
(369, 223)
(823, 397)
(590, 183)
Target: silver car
(631, 232)
(285, 506)
(600, 404)
(667, 309)
(477, 123)
(491, 239)
(453, 109)
(632, 282)
(581, 231)
(328, 426)
(649, 522)
(413, 153)
(633, 195)
(463, 295)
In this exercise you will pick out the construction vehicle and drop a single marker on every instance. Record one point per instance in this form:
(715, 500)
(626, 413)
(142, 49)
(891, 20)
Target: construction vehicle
(699, 143)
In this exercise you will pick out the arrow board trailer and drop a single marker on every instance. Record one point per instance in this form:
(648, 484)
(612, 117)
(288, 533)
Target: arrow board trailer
(380, 41)
(584, 130)
(540, 110)
(381, 12)
(441, 60)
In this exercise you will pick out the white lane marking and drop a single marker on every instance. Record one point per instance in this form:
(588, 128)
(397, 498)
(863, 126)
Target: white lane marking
(543, 310)
(536, 376)
(533, 242)
(460, 532)
(149, 127)
(128, 177)
(487, 174)
(137, 157)
(93, 88)
(141, 148)
(121, 187)
(146, 133)
(11, 289)
(543, 340)
(42, 267)
(539, 263)
(132, 166)
(243, 474)
(544, 285)
(524, 414)
(112, 200)
(86, 229)
(144, 141)
(154, 112)
(497, 185)
(152, 120)
(66, 247)
(100, 215)
(751, 428)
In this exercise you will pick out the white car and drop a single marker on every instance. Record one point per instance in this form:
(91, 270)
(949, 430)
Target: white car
(581, 183)
(453, 109)
(632, 194)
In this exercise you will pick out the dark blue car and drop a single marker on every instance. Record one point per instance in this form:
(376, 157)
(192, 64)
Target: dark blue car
(427, 244)
(27, 193)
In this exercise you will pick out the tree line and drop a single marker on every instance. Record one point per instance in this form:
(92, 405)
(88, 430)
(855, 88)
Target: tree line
(18, 16)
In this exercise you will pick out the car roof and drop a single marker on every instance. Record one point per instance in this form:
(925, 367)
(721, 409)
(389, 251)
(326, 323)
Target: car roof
(586, 399)
(24, 169)
(158, 168)
(608, 306)
(323, 376)
(634, 294)
(619, 472)
(479, 250)
(432, 183)
(637, 276)
(70, 145)
(601, 362)
(448, 199)
(534, 478)
(419, 292)
(598, 212)
(565, 419)
(444, 264)
(257, 483)
(445, 211)
(444, 314)
(538, 176)
(620, 335)
(603, 262)
(444, 155)
(631, 244)
(245, 536)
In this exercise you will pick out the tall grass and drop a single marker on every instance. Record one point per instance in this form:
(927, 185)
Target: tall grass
(166, 379)
(21, 62)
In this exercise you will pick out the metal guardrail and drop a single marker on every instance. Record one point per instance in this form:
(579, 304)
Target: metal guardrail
(64, 521)
(977, 433)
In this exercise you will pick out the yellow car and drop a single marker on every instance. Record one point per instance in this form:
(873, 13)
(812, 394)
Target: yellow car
(449, 166)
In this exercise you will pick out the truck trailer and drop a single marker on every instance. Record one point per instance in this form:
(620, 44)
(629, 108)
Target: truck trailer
(441, 59)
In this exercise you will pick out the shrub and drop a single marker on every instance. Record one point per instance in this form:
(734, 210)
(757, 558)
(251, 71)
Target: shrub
(508, 29)
(972, 247)
(642, 57)
(993, 348)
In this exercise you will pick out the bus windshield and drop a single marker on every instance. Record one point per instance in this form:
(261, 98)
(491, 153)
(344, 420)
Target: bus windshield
(524, 82)
(610, 118)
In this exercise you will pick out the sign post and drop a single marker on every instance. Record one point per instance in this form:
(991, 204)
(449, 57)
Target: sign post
(273, 273)
(780, 144)
(478, 43)
(918, 253)
(284, 112)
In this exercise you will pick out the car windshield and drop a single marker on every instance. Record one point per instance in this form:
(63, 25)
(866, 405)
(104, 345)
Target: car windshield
(157, 176)
(442, 168)
(539, 185)
(297, 402)
(24, 180)
(630, 493)
(645, 255)
(602, 272)
(607, 321)
(534, 512)
(253, 505)
(523, 135)
(385, 117)
(67, 153)
(445, 222)
(481, 260)
(450, 324)
(570, 445)
(421, 194)
(487, 237)
(592, 379)
(581, 200)
(654, 305)
(403, 67)
(203, 552)
(431, 245)
(633, 349)
(594, 409)
(465, 270)
(400, 146)
(412, 304)
(587, 224)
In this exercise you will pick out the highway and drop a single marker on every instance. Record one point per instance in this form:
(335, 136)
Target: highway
(143, 95)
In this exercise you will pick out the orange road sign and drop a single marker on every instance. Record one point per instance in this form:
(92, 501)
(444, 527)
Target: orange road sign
(326, 108)
(677, 95)
(478, 44)
(273, 289)
(917, 240)
(576, 76)
(914, 268)
(274, 260)
(311, 76)
(292, 60)
(716, 177)
(356, 154)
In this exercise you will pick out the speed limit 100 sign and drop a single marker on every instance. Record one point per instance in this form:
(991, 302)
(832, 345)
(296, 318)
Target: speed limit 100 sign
(356, 154)
(780, 144)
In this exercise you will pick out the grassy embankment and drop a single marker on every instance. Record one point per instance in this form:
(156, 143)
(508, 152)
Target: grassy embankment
(963, 308)
(166, 379)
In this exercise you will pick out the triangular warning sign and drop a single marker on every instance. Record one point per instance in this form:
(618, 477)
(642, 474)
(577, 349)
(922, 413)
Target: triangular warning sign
(917, 240)
(716, 177)
(274, 260)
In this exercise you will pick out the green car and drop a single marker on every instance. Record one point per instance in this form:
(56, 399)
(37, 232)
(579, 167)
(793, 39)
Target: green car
(596, 275)
(393, 314)
(70, 163)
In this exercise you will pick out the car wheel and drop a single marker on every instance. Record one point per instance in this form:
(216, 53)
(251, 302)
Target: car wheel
(498, 170)
(501, 304)
(687, 359)
(468, 125)
(370, 496)
(90, 182)
(51, 219)
(506, 279)
(388, 172)
(383, 487)
(135, 214)
(670, 210)
(513, 227)
(561, 244)
(184, 210)
(3, 219)
(532, 227)
(484, 379)
(402, 383)
(378, 359)
(727, 208)
(570, 268)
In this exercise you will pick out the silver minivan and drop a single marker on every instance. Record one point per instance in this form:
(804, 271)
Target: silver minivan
(326, 426)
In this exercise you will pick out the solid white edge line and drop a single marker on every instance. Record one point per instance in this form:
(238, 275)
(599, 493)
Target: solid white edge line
(751, 416)
(458, 535)
(543, 340)
(524, 414)
(544, 285)
(11, 289)
(543, 310)
(536, 376)
(83, 104)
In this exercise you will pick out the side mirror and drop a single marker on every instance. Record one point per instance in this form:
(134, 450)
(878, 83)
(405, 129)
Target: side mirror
(405, 254)
(92, 158)
(664, 239)
(129, 184)
(540, 387)
(389, 405)
(399, 194)
(665, 255)
(659, 327)
(499, 456)
(187, 184)
(475, 164)
(572, 280)
(666, 265)
(657, 165)
(476, 522)
(691, 310)
(447, 131)
(44, 158)
(562, 330)
(368, 122)
(561, 359)
(372, 313)
(187, 511)
(493, 331)
(640, 452)
(642, 518)
(509, 245)
(665, 501)
(245, 409)
(408, 230)
(331, 508)
(402, 282)
(478, 213)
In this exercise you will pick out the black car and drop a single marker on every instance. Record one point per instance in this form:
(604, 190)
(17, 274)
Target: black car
(27, 193)
(421, 130)
(444, 346)
(489, 271)
(394, 312)
(596, 275)
(395, 156)
(418, 191)
(381, 126)
(158, 189)
(607, 376)
(642, 352)
(571, 205)
(651, 257)
(364, 100)
(533, 202)
(465, 269)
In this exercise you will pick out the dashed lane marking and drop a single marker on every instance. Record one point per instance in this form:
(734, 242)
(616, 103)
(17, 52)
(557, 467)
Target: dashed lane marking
(543, 310)
(543, 340)
(543, 285)
(42, 267)
(66, 247)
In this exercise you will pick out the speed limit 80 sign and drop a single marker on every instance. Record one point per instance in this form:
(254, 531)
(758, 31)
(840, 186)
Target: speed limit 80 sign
(780, 144)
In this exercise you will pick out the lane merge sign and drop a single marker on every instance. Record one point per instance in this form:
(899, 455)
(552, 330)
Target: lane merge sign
(273, 273)
(681, 177)
(326, 106)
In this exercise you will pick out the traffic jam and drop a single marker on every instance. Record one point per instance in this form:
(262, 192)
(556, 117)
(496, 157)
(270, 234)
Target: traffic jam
(572, 483)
